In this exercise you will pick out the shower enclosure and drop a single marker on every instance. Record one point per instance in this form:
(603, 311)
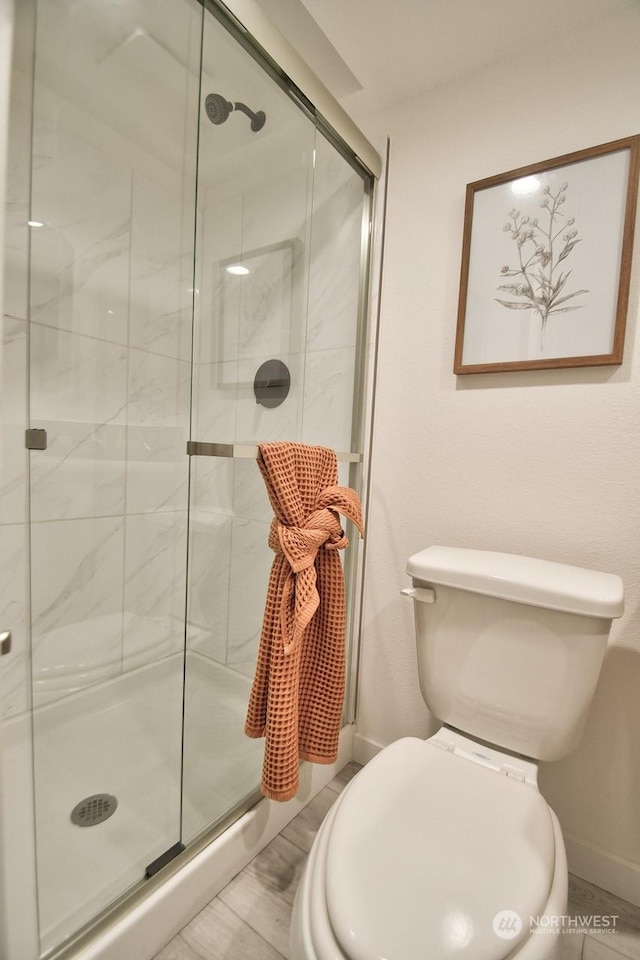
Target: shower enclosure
(186, 262)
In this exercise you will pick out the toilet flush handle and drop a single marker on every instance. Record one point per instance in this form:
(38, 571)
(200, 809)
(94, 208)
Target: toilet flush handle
(421, 594)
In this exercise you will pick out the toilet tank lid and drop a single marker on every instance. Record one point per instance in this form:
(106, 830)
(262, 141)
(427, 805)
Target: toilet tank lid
(508, 576)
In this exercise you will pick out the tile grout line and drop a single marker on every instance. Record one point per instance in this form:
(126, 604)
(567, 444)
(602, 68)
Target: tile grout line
(293, 843)
(246, 922)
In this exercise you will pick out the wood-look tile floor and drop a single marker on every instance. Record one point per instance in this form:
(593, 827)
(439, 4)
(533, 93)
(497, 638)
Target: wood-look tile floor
(249, 919)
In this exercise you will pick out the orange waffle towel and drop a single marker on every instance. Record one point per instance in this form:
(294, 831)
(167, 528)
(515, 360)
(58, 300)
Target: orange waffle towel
(298, 688)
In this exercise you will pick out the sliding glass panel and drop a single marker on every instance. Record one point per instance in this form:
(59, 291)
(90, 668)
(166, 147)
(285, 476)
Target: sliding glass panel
(337, 341)
(113, 206)
(277, 340)
(254, 195)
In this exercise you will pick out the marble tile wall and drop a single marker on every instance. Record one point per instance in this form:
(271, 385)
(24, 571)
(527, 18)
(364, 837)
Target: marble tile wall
(109, 352)
(334, 288)
(300, 235)
(109, 379)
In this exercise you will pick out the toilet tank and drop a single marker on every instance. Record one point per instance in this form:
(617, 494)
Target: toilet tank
(510, 647)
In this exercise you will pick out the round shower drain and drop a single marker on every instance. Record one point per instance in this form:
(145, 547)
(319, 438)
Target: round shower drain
(94, 810)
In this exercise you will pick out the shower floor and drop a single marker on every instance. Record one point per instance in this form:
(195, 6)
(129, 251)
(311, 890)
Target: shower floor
(123, 737)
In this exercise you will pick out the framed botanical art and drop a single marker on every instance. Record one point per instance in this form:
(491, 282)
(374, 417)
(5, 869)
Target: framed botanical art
(546, 262)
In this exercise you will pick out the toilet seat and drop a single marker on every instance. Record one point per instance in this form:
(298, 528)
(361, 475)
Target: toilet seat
(456, 842)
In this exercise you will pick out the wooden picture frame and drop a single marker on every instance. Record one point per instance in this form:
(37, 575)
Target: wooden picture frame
(546, 262)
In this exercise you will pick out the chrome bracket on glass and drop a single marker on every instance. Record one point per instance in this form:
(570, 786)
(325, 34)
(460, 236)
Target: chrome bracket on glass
(5, 643)
(246, 451)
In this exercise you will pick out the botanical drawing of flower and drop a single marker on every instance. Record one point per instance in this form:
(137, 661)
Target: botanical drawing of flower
(538, 279)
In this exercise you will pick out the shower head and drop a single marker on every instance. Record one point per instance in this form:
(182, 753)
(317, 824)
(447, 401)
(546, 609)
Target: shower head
(218, 109)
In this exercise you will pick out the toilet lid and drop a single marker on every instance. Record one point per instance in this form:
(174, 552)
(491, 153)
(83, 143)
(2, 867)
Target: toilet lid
(426, 849)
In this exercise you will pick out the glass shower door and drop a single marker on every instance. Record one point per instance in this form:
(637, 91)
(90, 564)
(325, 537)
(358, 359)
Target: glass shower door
(112, 228)
(255, 179)
(154, 319)
(278, 337)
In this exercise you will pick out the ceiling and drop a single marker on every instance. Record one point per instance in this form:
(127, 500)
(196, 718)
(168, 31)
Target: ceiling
(373, 54)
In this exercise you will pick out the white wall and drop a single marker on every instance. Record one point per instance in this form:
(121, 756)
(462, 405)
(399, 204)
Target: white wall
(541, 463)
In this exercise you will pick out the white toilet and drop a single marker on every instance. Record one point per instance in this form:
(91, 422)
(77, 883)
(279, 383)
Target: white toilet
(445, 848)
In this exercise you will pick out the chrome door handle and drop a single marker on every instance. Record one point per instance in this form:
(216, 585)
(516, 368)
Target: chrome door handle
(5, 642)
